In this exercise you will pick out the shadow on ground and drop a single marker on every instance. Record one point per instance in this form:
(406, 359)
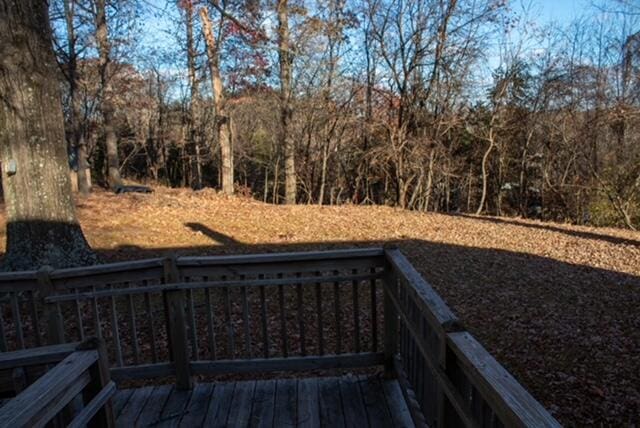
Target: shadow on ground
(569, 333)
(549, 227)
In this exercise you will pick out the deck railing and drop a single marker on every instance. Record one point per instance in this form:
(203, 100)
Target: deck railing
(193, 316)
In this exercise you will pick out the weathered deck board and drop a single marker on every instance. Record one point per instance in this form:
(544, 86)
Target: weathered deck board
(310, 402)
(150, 414)
(354, 413)
(264, 400)
(195, 410)
(240, 410)
(286, 403)
(308, 409)
(174, 409)
(120, 400)
(331, 414)
(219, 405)
(400, 414)
(134, 406)
(372, 395)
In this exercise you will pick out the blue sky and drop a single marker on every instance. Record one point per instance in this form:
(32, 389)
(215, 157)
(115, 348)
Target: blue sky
(561, 10)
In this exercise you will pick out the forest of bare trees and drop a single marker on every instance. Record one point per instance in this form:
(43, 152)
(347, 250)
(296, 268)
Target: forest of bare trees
(467, 106)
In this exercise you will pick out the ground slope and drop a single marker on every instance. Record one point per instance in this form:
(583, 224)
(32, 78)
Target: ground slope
(556, 304)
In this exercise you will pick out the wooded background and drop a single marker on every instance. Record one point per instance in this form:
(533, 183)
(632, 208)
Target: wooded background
(432, 105)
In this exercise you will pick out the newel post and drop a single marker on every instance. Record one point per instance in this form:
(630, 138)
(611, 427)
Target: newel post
(174, 305)
(55, 325)
(390, 286)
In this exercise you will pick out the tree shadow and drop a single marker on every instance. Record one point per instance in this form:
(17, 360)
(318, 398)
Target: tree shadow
(218, 237)
(556, 326)
(549, 227)
(569, 333)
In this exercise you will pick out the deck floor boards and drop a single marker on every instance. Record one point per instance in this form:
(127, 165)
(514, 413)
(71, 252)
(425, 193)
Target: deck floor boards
(347, 401)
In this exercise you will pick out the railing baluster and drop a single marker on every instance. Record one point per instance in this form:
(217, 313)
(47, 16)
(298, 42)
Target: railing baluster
(374, 314)
(301, 329)
(151, 324)
(115, 331)
(283, 320)
(390, 282)
(227, 314)
(80, 324)
(96, 315)
(337, 309)
(210, 324)
(134, 329)
(245, 321)
(192, 322)
(263, 311)
(356, 312)
(17, 320)
(35, 319)
(319, 315)
(3, 337)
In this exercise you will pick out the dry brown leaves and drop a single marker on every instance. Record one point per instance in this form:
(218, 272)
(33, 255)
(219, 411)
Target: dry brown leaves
(556, 304)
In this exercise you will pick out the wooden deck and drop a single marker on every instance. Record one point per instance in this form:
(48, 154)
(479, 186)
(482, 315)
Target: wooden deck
(347, 401)
(186, 318)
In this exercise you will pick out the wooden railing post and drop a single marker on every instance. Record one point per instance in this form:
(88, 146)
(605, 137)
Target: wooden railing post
(178, 337)
(100, 378)
(53, 317)
(390, 284)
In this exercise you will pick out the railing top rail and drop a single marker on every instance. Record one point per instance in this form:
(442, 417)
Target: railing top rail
(36, 356)
(515, 405)
(507, 398)
(433, 305)
(26, 275)
(127, 266)
(16, 281)
(280, 257)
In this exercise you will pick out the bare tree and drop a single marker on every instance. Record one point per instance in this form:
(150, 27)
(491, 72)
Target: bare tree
(222, 118)
(286, 139)
(106, 103)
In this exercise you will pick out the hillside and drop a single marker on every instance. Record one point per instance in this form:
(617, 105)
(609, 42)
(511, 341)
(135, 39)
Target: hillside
(556, 304)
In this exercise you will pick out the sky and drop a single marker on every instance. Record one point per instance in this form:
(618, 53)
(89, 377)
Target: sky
(560, 10)
(542, 12)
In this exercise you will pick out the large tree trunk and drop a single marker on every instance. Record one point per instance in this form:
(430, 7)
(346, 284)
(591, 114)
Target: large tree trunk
(223, 121)
(286, 140)
(42, 228)
(106, 103)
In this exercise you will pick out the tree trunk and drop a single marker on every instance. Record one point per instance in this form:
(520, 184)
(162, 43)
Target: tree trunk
(286, 140)
(429, 190)
(323, 173)
(106, 104)
(84, 171)
(42, 228)
(77, 131)
(276, 180)
(195, 172)
(223, 121)
(485, 173)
